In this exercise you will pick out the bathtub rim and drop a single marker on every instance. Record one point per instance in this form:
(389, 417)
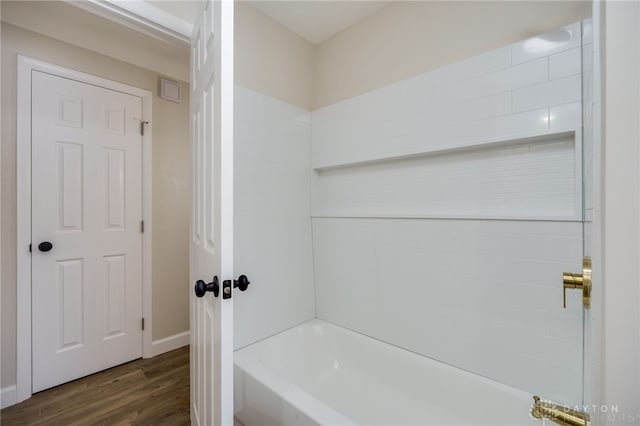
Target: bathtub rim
(324, 414)
(298, 398)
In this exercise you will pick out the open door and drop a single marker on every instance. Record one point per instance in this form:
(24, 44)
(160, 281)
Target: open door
(211, 248)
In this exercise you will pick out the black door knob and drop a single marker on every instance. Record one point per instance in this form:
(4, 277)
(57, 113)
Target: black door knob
(201, 287)
(45, 246)
(241, 283)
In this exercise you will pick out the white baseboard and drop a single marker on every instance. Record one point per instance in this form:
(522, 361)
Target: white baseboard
(169, 343)
(7, 396)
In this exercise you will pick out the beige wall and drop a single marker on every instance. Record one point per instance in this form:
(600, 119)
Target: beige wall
(405, 39)
(68, 23)
(171, 182)
(271, 59)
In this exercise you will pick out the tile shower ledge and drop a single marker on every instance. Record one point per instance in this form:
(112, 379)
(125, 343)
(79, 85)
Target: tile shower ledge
(543, 136)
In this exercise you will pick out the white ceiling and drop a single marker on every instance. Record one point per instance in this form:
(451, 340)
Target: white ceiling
(318, 20)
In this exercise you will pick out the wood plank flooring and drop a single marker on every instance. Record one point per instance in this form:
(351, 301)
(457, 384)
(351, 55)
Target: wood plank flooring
(151, 391)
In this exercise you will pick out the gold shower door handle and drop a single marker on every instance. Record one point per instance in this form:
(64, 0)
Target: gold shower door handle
(578, 281)
(559, 414)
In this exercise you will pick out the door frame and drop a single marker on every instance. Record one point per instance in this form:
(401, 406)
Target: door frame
(26, 66)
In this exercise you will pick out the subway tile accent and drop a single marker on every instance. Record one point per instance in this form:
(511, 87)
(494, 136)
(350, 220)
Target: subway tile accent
(476, 101)
(565, 64)
(554, 92)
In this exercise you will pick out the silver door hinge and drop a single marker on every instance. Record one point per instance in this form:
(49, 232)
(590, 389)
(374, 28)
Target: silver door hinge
(142, 323)
(142, 226)
(142, 123)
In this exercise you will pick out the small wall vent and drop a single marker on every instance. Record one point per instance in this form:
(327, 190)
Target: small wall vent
(170, 90)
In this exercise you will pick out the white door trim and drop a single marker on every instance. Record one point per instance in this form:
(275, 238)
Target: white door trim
(23, 347)
(142, 17)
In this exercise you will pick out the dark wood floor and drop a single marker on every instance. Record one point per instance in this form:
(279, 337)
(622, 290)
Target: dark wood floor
(151, 391)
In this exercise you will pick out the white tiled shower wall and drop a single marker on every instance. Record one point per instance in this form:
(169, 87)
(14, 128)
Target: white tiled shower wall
(445, 208)
(272, 218)
(529, 88)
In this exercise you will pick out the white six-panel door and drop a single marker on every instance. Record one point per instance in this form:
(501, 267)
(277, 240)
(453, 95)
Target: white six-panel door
(87, 202)
(211, 252)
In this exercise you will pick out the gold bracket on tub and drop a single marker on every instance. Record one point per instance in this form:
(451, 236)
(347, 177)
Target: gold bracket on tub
(578, 281)
(559, 414)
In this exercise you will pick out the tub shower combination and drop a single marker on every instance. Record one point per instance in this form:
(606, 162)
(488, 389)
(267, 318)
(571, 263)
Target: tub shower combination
(321, 374)
(428, 198)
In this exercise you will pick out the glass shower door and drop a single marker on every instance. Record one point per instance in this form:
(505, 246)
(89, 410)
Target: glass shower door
(580, 282)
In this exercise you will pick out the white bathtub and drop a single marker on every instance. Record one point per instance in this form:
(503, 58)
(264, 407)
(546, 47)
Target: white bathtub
(319, 373)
